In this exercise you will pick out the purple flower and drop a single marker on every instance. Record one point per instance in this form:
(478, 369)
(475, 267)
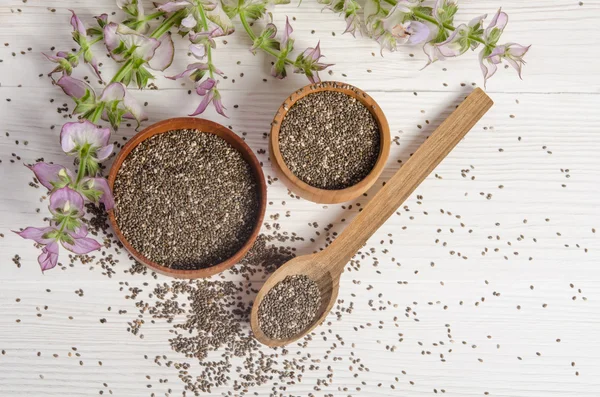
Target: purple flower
(308, 63)
(51, 176)
(87, 139)
(80, 37)
(202, 40)
(410, 32)
(513, 53)
(49, 256)
(123, 42)
(278, 69)
(208, 90)
(490, 56)
(496, 27)
(66, 206)
(66, 202)
(457, 43)
(352, 24)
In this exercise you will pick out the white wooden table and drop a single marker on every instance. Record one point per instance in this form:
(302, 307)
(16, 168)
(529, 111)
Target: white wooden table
(524, 317)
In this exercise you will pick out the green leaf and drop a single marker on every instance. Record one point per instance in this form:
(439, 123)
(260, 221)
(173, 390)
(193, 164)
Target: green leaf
(86, 108)
(494, 36)
(142, 75)
(220, 18)
(231, 7)
(254, 11)
(92, 195)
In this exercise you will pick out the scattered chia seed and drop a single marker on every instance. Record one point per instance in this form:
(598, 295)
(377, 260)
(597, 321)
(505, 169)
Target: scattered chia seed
(186, 199)
(289, 307)
(329, 140)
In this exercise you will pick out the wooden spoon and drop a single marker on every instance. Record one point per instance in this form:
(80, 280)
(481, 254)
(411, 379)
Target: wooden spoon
(326, 266)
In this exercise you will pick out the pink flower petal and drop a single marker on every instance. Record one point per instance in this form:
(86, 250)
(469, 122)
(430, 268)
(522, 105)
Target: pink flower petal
(80, 231)
(104, 152)
(517, 50)
(37, 234)
(113, 92)
(189, 21)
(134, 109)
(111, 40)
(487, 70)
(219, 105)
(78, 133)
(173, 6)
(287, 31)
(205, 86)
(499, 21)
(77, 24)
(419, 32)
(66, 200)
(163, 56)
(204, 104)
(47, 173)
(82, 245)
(198, 50)
(102, 185)
(49, 256)
(73, 87)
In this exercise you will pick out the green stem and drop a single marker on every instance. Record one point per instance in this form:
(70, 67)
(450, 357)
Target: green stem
(155, 15)
(166, 24)
(252, 36)
(429, 18)
(94, 117)
(208, 47)
(97, 39)
(123, 71)
(81, 171)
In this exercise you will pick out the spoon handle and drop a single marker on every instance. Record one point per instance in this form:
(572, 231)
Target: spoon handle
(400, 186)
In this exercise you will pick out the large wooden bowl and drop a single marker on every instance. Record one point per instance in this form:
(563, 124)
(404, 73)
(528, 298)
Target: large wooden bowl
(233, 140)
(316, 194)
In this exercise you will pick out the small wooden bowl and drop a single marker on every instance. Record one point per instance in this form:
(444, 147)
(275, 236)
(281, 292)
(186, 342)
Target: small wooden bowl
(316, 194)
(231, 138)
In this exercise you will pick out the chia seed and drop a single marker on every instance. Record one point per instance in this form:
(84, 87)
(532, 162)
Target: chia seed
(289, 308)
(329, 140)
(186, 199)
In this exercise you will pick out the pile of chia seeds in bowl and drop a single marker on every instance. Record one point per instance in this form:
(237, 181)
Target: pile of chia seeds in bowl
(186, 199)
(329, 140)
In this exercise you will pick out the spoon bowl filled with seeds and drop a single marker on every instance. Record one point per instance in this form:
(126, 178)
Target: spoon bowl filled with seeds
(329, 142)
(190, 197)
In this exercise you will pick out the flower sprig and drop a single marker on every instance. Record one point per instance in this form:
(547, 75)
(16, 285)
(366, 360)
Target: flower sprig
(396, 22)
(68, 192)
(306, 63)
(142, 50)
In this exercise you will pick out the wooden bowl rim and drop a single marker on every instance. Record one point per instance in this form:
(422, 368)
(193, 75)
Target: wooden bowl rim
(229, 136)
(350, 192)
